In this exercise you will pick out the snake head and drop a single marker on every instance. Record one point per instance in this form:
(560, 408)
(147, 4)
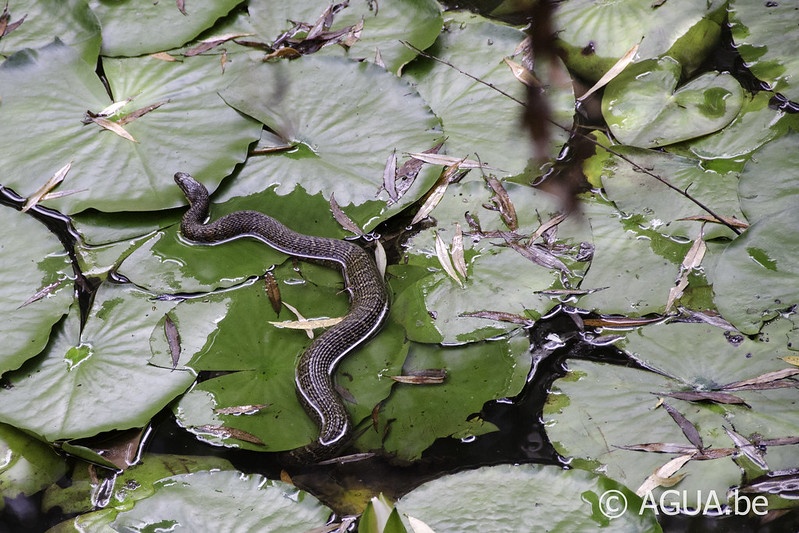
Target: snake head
(192, 188)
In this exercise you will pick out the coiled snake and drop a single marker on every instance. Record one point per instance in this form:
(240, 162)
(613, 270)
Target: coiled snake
(315, 367)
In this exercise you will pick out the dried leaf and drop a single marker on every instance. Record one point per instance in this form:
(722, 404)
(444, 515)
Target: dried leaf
(501, 316)
(229, 433)
(390, 176)
(608, 321)
(445, 260)
(163, 56)
(523, 75)
(702, 396)
(791, 359)
(172, 339)
(434, 376)
(436, 193)
(112, 109)
(503, 203)
(130, 117)
(300, 318)
(342, 218)
(273, 292)
(283, 53)
(114, 127)
(664, 476)
(769, 380)
(181, 6)
(381, 261)
(379, 59)
(692, 260)
(458, 257)
(614, 71)
(537, 254)
(6, 26)
(41, 293)
(52, 183)
(307, 324)
(407, 173)
(748, 449)
(687, 427)
(208, 44)
(546, 226)
(449, 161)
(238, 410)
(568, 292)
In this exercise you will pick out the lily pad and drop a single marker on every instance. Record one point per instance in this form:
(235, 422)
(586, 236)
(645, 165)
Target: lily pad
(28, 465)
(755, 277)
(385, 26)
(416, 415)
(478, 119)
(764, 33)
(546, 498)
(594, 35)
(770, 180)
(46, 94)
(633, 268)
(214, 500)
(71, 21)
(337, 150)
(663, 208)
(597, 407)
(132, 28)
(41, 266)
(74, 385)
(644, 107)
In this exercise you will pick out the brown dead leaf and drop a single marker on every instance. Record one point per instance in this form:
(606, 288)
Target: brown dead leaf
(523, 75)
(458, 257)
(433, 376)
(173, 340)
(665, 475)
(614, 71)
(229, 433)
(705, 396)
(113, 127)
(687, 427)
(49, 185)
(390, 176)
(503, 203)
(407, 173)
(342, 218)
(138, 113)
(445, 260)
(273, 292)
(727, 221)
(436, 193)
(238, 410)
(41, 293)
(500, 316)
(163, 56)
(770, 380)
(181, 6)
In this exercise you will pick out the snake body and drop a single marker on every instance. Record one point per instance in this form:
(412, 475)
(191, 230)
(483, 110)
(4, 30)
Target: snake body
(316, 365)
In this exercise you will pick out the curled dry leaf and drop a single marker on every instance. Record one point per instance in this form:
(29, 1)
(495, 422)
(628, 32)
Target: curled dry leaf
(52, 183)
(273, 292)
(436, 193)
(41, 293)
(390, 176)
(173, 340)
(501, 316)
(770, 380)
(113, 127)
(229, 433)
(307, 324)
(664, 476)
(458, 257)
(748, 449)
(407, 173)
(446, 262)
(614, 71)
(381, 261)
(208, 44)
(342, 218)
(523, 75)
(449, 161)
(432, 376)
(687, 427)
(238, 410)
(706, 396)
(503, 203)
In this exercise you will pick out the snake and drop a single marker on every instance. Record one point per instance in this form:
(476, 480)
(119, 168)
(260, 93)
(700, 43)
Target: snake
(316, 365)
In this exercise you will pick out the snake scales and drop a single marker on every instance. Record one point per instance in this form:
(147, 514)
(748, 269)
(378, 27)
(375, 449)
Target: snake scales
(315, 367)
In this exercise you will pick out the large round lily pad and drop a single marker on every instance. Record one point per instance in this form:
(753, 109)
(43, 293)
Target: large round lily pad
(46, 95)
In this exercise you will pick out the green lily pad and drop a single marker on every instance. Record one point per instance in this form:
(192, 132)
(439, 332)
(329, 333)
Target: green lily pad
(71, 21)
(770, 180)
(598, 407)
(97, 379)
(764, 34)
(546, 498)
(594, 35)
(214, 500)
(28, 465)
(755, 125)
(385, 26)
(131, 28)
(478, 119)
(663, 208)
(644, 107)
(755, 277)
(340, 143)
(46, 94)
(633, 268)
(416, 415)
(40, 263)
(124, 489)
